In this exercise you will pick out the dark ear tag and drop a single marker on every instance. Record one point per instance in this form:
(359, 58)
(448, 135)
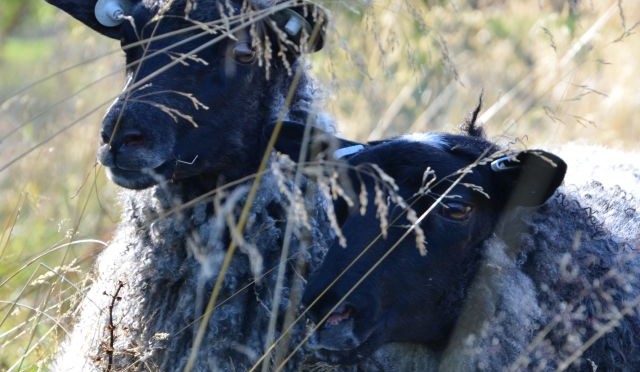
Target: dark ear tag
(531, 176)
(304, 21)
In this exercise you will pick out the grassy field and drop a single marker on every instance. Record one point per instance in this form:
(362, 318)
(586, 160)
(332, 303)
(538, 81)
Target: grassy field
(550, 74)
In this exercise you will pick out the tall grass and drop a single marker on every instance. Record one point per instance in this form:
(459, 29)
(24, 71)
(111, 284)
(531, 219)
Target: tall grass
(549, 73)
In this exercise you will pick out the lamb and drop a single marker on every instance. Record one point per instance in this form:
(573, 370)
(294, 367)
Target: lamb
(203, 79)
(519, 272)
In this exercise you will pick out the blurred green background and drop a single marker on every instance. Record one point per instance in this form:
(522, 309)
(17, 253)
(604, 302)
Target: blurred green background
(552, 71)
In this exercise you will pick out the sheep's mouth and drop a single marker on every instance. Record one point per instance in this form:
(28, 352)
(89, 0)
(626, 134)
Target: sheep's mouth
(337, 340)
(141, 178)
(343, 313)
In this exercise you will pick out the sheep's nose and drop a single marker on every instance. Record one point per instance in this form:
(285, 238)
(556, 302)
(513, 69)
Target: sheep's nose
(132, 138)
(129, 138)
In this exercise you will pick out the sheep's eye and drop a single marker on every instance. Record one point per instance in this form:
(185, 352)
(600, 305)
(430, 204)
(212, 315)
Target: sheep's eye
(243, 53)
(456, 211)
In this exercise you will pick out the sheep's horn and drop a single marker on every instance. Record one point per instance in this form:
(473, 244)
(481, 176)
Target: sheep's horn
(110, 13)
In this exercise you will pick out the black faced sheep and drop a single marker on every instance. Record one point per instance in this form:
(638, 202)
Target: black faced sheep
(203, 79)
(517, 275)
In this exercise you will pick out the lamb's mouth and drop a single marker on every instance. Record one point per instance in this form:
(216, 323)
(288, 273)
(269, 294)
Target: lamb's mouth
(142, 178)
(342, 313)
(336, 340)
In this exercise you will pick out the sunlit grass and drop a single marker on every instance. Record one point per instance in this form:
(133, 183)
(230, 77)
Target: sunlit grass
(48, 197)
(411, 71)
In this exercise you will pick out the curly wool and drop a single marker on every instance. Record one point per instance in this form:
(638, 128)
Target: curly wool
(153, 282)
(167, 266)
(554, 287)
(558, 287)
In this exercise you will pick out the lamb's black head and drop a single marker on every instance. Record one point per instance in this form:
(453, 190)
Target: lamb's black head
(411, 297)
(203, 77)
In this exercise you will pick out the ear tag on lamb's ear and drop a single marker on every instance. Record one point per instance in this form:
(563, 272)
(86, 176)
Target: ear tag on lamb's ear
(505, 163)
(111, 13)
(345, 152)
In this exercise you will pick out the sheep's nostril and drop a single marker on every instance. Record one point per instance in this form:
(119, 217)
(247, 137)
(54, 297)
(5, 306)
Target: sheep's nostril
(104, 138)
(132, 139)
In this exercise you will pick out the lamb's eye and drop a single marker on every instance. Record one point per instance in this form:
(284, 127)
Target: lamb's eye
(456, 211)
(243, 53)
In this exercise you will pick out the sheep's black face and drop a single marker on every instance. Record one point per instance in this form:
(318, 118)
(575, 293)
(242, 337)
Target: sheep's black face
(201, 114)
(199, 87)
(408, 297)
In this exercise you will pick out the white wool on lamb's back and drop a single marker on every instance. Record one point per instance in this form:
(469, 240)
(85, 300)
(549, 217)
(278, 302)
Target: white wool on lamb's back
(618, 174)
(609, 166)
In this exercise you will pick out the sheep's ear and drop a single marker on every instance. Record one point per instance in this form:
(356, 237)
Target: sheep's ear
(320, 143)
(103, 16)
(303, 25)
(530, 177)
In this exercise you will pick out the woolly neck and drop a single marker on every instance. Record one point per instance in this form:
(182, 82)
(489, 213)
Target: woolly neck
(168, 264)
